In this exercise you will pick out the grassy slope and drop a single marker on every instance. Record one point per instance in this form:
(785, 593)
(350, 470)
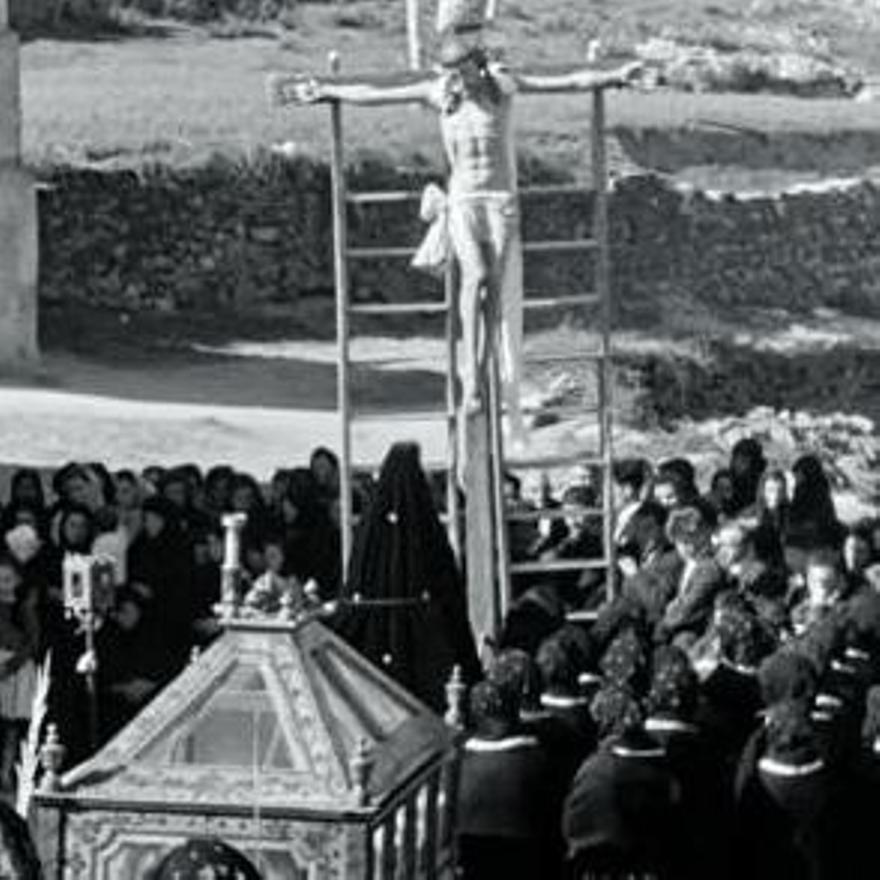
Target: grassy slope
(178, 97)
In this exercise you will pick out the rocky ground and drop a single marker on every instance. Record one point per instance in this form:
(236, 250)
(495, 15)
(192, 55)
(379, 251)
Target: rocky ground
(801, 385)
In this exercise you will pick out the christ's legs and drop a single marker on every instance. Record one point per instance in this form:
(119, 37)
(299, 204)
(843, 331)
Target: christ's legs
(508, 305)
(474, 260)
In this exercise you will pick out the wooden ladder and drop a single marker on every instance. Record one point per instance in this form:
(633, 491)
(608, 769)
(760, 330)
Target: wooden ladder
(597, 299)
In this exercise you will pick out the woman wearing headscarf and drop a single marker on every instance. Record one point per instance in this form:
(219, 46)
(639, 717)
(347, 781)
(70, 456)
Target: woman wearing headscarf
(792, 806)
(622, 814)
(402, 561)
(747, 464)
(813, 521)
(160, 572)
(311, 540)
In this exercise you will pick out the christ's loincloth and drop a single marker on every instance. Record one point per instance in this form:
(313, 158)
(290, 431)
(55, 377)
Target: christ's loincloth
(484, 236)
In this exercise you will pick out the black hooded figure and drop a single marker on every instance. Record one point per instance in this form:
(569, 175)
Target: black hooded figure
(418, 628)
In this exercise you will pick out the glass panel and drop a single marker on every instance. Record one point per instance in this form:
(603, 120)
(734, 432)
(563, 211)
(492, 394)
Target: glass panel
(237, 726)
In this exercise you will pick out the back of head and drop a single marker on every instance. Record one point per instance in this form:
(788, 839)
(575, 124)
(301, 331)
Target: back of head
(674, 685)
(743, 642)
(791, 737)
(625, 663)
(493, 710)
(559, 675)
(616, 712)
(515, 672)
(788, 676)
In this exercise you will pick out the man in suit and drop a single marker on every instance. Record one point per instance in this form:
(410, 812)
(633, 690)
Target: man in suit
(687, 615)
(652, 579)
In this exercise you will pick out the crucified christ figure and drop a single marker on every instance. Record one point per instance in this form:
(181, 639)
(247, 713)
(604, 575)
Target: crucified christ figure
(474, 99)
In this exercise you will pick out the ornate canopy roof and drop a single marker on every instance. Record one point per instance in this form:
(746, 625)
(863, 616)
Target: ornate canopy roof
(268, 717)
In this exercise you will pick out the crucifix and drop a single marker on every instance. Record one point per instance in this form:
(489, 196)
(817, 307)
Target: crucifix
(473, 97)
(477, 225)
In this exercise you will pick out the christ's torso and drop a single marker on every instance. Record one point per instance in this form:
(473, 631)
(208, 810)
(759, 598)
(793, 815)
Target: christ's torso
(478, 139)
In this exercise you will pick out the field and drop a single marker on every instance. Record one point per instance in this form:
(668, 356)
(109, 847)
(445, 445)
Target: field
(173, 93)
(165, 92)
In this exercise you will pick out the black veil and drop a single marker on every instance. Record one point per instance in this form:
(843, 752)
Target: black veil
(411, 619)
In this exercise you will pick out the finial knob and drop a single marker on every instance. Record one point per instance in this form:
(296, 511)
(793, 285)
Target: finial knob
(52, 754)
(455, 690)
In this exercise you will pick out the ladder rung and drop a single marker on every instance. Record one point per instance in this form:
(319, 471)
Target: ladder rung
(529, 247)
(561, 302)
(553, 461)
(564, 357)
(379, 253)
(399, 415)
(554, 565)
(553, 513)
(367, 197)
(561, 411)
(555, 189)
(558, 246)
(382, 197)
(409, 308)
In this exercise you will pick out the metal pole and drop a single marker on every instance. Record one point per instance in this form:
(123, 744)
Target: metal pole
(340, 274)
(454, 425)
(92, 681)
(603, 288)
(413, 35)
(4, 14)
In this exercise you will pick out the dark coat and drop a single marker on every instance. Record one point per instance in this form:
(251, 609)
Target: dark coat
(623, 811)
(691, 609)
(791, 827)
(507, 810)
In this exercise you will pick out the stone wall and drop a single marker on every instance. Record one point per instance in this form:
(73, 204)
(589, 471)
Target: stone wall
(18, 222)
(257, 234)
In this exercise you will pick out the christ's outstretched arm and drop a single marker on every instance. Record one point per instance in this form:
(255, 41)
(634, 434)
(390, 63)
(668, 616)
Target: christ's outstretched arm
(299, 89)
(579, 80)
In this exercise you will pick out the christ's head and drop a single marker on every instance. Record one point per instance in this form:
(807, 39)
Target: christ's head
(463, 56)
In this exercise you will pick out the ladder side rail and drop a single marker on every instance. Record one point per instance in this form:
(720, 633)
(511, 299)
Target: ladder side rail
(603, 288)
(343, 357)
(453, 507)
(501, 547)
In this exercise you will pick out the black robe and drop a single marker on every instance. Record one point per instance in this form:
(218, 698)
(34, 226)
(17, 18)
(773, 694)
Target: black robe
(622, 814)
(507, 810)
(417, 629)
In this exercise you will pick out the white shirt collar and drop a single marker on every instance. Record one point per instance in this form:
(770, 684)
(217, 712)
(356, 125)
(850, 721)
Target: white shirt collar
(782, 768)
(507, 744)
(669, 725)
(558, 701)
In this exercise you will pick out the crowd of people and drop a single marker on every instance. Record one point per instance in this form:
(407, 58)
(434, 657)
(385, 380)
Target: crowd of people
(163, 529)
(721, 717)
